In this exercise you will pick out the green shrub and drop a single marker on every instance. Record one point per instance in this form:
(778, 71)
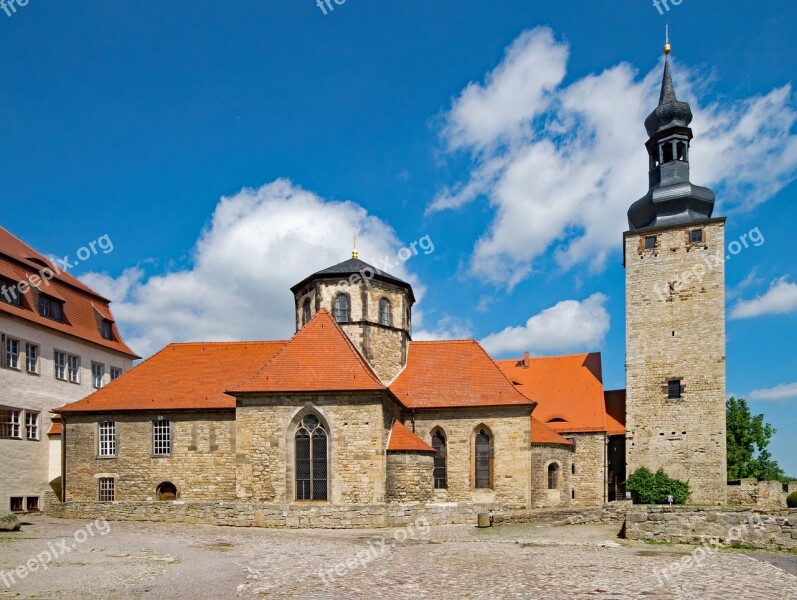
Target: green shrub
(647, 488)
(791, 501)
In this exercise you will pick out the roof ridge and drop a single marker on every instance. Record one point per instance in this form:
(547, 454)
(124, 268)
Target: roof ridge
(353, 348)
(509, 381)
(232, 342)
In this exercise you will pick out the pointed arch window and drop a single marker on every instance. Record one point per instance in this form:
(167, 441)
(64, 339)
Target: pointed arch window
(311, 459)
(306, 312)
(384, 312)
(483, 459)
(342, 308)
(440, 458)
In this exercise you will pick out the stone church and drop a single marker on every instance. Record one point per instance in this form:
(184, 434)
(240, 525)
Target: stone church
(351, 411)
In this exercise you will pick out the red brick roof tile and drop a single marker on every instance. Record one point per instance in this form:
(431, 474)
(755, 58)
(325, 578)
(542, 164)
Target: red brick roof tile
(447, 374)
(403, 440)
(541, 434)
(191, 376)
(84, 308)
(319, 358)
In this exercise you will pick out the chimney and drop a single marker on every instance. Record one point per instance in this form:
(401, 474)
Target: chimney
(526, 360)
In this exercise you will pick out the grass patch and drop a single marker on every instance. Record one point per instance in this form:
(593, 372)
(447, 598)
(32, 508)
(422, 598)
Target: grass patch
(658, 543)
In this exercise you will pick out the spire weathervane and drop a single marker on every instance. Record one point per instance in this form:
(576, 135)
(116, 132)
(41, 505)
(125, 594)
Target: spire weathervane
(354, 253)
(667, 47)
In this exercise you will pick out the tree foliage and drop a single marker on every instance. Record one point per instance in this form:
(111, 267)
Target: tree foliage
(748, 440)
(647, 488)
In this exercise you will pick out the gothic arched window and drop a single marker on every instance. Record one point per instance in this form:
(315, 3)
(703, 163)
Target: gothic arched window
(342, 308)
(483, 459)
(306, 312)
(384, 312)
(440, 474)
(311, 459)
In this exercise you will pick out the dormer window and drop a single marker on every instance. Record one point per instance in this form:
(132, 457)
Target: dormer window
(342, 308)
(50, 308)
(107, 329)
(9, 293)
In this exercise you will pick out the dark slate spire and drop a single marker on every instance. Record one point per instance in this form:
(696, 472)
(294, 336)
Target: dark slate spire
(672, 199)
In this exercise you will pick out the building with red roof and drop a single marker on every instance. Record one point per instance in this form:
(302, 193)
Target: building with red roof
(58, 343)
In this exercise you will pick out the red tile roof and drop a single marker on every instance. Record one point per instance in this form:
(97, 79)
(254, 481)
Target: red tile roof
(55, 426)
(84, 309)
(542, 435)
(567, 389)
(191, 376)
(403, 440)
(447, 374)
(319, 358)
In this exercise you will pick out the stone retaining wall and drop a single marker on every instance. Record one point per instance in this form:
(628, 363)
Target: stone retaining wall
(767, 530)
(350, 516)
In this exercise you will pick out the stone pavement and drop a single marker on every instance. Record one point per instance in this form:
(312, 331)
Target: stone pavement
(140, 560)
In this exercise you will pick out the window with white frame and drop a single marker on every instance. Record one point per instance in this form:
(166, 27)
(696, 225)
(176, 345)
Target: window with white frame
(107, 489)
(12, 353)
(50, 308)
(32, 424)
(73, 368)
(161, 437)
(9, 423)
(60, 365)
(116, 373)
(107, 438)
(97, 373)
(32, 358)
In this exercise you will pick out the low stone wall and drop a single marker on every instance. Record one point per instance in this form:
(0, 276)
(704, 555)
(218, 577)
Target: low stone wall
(766, 494)
(348, 516)
(613, 512)
(754, 528)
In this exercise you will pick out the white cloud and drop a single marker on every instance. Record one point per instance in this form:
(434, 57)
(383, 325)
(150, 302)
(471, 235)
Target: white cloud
(447, 328)
(258, 244)
(567, 326)
(787, 391)
(560, 165)
(780, 298)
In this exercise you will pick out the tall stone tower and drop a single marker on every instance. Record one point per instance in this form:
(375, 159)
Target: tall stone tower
(675, 314)
(372, 307)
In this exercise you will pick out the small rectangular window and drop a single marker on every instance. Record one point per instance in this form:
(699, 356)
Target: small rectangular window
(97, 373)
(60, 365)
(107, 330)
(32, 425)
(107, 439)
(674, 389)
(650, 242)
(32, 358)
(116, 373)
(696, 236)
(16, 503)
(10, 424)
(162, 437)
(107, 489)
(12, 353)
(33, 503)
(73, 368)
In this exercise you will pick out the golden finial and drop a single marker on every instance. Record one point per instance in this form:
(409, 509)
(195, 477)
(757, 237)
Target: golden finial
(354, 253)
(667, 47)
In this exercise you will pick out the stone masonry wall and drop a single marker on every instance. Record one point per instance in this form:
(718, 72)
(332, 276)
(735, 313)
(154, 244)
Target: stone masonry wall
(410, 476)
(589, 460)
(357, 426)
(541, 458)
(677, 333)
(324, 516)
(509, 427)
(201, 465)
(770, 530)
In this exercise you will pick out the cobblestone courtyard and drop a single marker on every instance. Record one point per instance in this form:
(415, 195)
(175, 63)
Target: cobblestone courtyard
(140, 560)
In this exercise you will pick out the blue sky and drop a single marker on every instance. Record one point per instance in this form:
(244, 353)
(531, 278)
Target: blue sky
(229, 149)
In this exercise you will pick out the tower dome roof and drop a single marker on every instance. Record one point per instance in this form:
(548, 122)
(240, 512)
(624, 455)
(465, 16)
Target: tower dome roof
(355, 266)
(670, 112)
